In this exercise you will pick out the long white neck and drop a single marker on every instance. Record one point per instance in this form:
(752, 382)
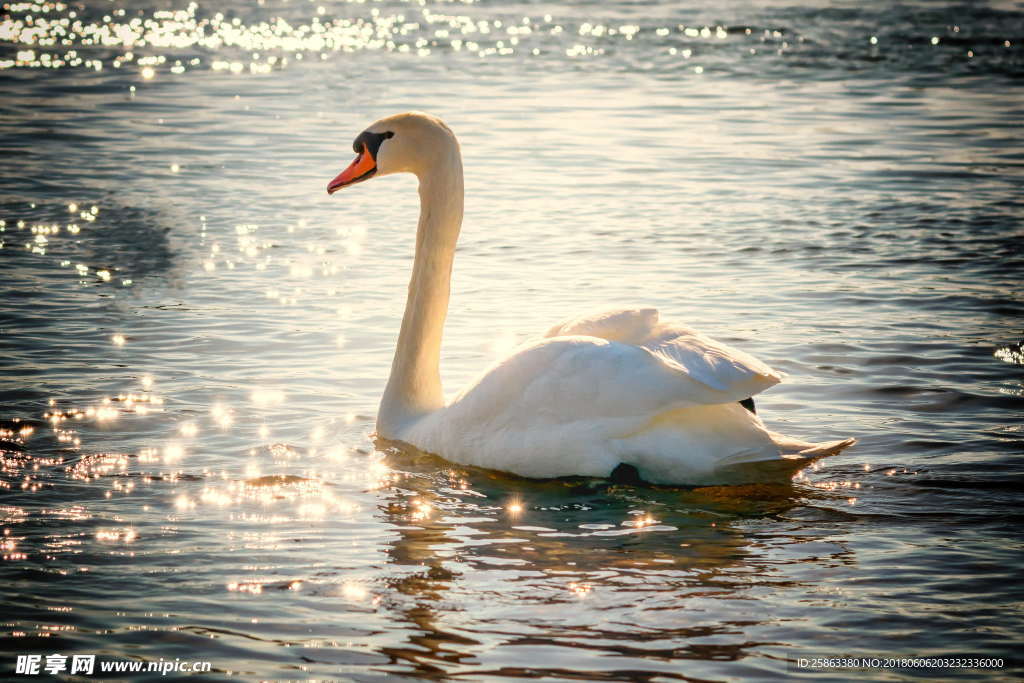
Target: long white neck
(414, 388)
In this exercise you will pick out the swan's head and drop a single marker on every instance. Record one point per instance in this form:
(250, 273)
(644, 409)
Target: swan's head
(413, 142)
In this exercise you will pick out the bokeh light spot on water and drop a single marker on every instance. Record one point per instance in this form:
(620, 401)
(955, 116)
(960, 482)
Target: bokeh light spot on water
(197, 38)
(1011, 354)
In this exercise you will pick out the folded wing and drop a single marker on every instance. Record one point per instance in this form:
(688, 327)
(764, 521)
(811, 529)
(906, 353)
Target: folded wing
(733, 375)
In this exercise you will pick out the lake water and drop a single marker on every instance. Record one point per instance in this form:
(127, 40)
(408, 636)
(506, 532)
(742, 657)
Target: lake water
(194, 336)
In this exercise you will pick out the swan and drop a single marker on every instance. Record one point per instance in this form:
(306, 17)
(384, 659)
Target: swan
(597, 394)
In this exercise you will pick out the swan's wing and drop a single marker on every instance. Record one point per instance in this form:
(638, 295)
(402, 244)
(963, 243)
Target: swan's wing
(564, 379)
(628, 325)
(716, 365)
(567, 405)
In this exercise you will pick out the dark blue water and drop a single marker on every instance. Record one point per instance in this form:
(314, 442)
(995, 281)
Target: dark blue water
(190, 371)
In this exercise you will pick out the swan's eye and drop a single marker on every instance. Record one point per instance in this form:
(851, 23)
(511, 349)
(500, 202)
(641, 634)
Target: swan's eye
(372, 141)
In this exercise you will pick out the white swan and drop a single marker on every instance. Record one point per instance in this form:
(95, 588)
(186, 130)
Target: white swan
(597, 392)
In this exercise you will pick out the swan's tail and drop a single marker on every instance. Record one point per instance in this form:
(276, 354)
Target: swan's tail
(721, 443)
(794, 456)
(789, 446)
(821, 450)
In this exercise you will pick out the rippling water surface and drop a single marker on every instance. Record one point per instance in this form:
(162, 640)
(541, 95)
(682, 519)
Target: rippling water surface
(194, 336)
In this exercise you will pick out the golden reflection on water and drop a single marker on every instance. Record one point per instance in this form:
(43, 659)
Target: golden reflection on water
(53, 35)
(284, 497)
(450, 533)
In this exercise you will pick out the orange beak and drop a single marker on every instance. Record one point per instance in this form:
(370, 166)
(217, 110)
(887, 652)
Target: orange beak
(359, 170)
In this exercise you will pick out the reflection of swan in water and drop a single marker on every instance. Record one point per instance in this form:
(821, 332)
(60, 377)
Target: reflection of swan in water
(469, 581)
(599, 392)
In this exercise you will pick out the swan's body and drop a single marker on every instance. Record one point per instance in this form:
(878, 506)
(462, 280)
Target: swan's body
(595, 393)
